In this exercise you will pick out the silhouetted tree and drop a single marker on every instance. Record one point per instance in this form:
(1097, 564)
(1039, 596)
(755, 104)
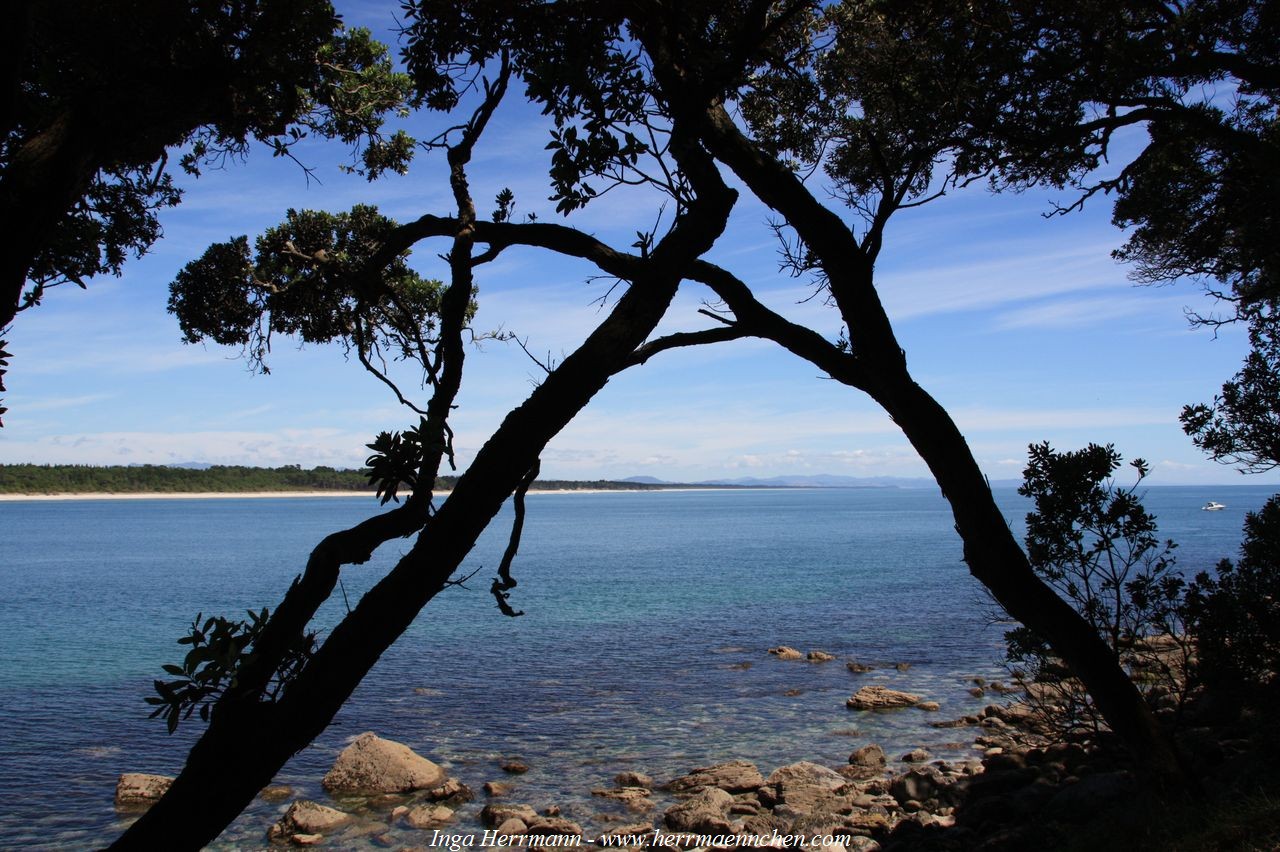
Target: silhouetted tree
(662, 94)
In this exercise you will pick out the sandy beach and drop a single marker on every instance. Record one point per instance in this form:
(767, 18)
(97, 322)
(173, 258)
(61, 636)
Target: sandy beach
(240, 495)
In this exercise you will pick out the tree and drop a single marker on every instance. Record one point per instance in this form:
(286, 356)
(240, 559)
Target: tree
(1095, 543)
(1241, 426)
(95, 99)
(639, 93)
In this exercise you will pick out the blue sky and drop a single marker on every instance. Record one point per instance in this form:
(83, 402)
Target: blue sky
(1022, 326)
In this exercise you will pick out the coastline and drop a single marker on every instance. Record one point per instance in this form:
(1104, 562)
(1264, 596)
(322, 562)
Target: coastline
(242, 495)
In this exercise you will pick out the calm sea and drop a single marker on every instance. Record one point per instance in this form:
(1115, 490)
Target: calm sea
(641, 611)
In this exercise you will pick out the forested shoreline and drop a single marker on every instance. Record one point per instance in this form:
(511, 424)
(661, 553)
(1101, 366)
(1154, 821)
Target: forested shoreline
(159, 479)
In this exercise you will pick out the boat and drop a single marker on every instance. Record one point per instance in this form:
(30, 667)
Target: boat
(1213, 506)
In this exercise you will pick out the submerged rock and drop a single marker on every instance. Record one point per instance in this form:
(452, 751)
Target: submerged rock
(428, 816)
(786, 652)
(374, 765)
(633, 779)
(820, 657)
(736, 776)
(140, 790)
(859, 668)
(494, 815)
(880, 698)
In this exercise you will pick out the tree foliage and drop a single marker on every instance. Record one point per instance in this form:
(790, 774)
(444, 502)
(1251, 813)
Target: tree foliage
(100, 102)
(218, 648)
(304, 279)
(1095, 543)
(1241, 426)
(1235, 615)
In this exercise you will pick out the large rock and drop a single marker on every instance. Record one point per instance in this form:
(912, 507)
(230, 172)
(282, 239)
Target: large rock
(139, 790)
(736, 776)
(703, 813)
(880, 698)
(308, 818)
(374, 765)
(805, 786)
(868, 761)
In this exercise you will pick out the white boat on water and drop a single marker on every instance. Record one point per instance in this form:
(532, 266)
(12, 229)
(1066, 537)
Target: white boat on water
(1213, 506)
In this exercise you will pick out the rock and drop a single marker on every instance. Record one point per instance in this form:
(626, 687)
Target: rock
(918, 784)
(858, 843)
(916, 755)
(792, 693)
(278, 793)
(786, 652)
(635, 798)
(514, 767)
(512, 827)
(929, 706)
(1081, 801)
(819, 657)
(702, 813)
(879, 698)
(493, 815)
(858, 668)
(632, 834)
(428, 816)
(902, 667)
(1002, 762)
(306, 817)
(736, 776)
(497, 788)
(977, 692)
(869, 757)
(555, 827)
(140, 790)
(806, 786)
(374, 765)
(451, 790)
(633, 779)
(306, 839)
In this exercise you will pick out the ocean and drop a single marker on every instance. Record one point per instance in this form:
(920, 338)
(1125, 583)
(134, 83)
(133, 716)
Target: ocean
(648, 616)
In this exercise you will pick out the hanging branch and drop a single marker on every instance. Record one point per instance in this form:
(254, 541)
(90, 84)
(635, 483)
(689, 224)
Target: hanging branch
(504, 582)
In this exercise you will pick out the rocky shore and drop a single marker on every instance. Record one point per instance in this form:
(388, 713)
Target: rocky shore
(1019, 789)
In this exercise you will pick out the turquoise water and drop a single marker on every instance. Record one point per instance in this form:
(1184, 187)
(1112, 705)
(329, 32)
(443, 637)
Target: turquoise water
(640, 609)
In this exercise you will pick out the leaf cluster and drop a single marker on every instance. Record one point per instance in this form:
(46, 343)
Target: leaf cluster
(1241, 426)
(397, 457)
(218, 649)
(306, 277)
(104, 93)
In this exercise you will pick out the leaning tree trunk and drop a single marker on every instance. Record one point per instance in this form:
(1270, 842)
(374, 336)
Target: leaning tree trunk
(877, 365)
(248, 741)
